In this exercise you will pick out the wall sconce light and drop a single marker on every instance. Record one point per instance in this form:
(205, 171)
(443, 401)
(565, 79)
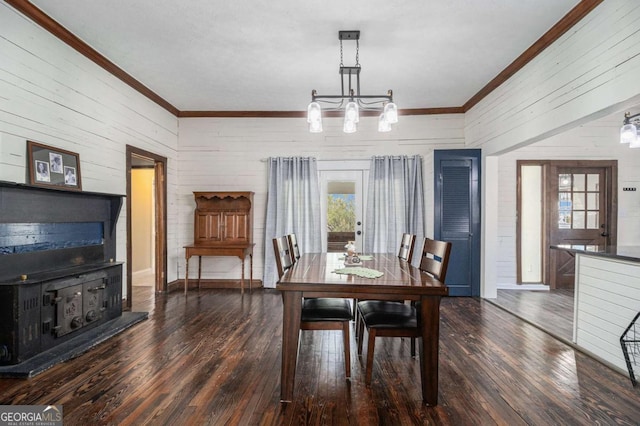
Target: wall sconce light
(630, 130)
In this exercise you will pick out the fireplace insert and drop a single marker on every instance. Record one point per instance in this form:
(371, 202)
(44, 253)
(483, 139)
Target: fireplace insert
(58, 277)
(46, 309)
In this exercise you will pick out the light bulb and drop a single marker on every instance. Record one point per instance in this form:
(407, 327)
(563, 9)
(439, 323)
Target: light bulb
(349, 126)
(314, 112)
(315, 126)
(391, 113)
(636, 142)
(628, 134)
(351, 112)
(383, 124)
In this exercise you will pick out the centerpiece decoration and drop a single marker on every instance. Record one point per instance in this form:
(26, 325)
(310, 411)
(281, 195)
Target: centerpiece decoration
(352, 255)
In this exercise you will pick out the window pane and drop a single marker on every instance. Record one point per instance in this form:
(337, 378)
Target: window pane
(593, 182)
(578, 220)
(341, 217)
(564, 182)
(592, 220)
(578, 182)
(564, 219)
(564, 200)
(593, 201)
(578, 201)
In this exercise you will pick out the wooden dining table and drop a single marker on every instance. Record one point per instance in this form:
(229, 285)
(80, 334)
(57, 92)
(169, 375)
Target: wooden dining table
(313, 276)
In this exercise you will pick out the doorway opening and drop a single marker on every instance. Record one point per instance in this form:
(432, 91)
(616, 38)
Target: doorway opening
(559, 203)
(562, 203)
(146, 228)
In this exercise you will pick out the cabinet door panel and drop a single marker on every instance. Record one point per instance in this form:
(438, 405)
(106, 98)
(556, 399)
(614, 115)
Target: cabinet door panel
(236, 227)
(208, 228)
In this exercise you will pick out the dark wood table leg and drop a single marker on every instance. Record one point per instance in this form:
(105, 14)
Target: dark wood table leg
(199, 270)
(292, 312)
(429, 347)
(242, 276)
(250, 271)
(186, 274)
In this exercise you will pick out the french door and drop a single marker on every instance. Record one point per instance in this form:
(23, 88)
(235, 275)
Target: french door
(342, 199)
(580, 214)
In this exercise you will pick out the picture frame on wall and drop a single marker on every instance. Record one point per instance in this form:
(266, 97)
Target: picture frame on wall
(53, 167)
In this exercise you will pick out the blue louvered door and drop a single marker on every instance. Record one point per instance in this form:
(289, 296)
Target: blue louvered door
(457, 217)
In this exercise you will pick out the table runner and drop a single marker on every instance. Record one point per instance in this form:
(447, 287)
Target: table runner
(360, 271)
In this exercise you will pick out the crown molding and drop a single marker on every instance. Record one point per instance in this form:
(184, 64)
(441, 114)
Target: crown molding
(45, 21)
(566, 23)
(242, 114)
(303, 114)
(574, 16)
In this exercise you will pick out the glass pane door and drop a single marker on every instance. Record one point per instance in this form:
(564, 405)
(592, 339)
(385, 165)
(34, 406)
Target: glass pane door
(579, 201)
(341, 197)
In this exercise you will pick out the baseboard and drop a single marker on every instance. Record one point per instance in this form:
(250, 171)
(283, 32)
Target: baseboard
(541, 287)
(142, 272)
(178, 285)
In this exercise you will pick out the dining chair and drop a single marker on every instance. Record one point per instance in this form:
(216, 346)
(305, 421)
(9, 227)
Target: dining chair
(406, 247)
(318, 313)
(405, 252)
(282, 250)
(293, 247)
(393, 319)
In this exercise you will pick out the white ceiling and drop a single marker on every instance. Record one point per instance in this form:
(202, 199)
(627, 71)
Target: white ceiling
(242, 55)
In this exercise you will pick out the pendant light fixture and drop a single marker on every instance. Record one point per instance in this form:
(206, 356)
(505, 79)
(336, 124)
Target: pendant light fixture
(350, 100)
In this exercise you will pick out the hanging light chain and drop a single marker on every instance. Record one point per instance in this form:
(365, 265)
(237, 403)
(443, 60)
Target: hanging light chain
(357, 54)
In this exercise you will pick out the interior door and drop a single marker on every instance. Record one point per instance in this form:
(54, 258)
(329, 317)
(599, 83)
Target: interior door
(580, 214)
(457, 216)
(342, 201)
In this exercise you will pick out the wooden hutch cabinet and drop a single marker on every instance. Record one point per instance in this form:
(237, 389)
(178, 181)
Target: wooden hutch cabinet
(223, 226)
(223, 217)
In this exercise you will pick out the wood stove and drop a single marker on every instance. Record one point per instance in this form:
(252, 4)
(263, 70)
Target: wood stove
(58, 277)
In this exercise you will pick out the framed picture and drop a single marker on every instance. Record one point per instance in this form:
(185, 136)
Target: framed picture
(49, 166)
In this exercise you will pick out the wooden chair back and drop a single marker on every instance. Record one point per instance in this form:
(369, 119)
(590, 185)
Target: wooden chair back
(283, 254)
(406, 247)
(293, 247)
(435, 258)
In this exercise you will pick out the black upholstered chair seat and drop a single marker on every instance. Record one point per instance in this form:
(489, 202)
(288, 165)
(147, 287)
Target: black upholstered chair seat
(386, 314)
(322, 313)
(396, 319)
(326, 309)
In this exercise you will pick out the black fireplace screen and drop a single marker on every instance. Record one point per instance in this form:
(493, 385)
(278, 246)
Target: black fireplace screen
(31, 237)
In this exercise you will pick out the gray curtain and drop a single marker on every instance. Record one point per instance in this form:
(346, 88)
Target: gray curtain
(395, 204)
(293, 206)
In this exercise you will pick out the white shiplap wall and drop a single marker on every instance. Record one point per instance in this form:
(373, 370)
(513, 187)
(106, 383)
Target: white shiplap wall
(588, 73)
(51, 94)
(598, 140)
(225, 154)
(607, 300)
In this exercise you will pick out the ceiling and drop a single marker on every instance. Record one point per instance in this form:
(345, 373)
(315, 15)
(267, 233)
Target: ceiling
(243, 55)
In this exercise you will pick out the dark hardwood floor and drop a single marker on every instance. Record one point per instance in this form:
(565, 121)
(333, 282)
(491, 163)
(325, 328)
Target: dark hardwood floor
(213, 358)
(550, 310)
